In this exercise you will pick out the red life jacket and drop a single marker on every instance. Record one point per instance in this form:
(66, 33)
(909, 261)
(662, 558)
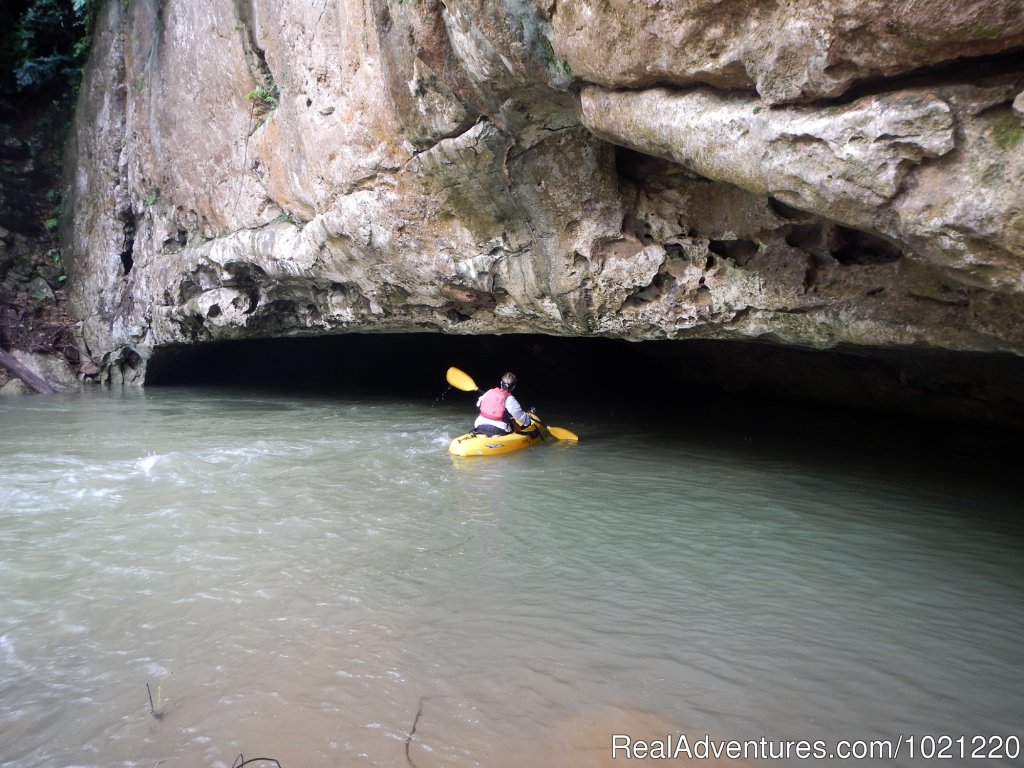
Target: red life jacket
(492, 406)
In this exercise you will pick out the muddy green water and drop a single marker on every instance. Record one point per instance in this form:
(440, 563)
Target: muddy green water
(315, 579)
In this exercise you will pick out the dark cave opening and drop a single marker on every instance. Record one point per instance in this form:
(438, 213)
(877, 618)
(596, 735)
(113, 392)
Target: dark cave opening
(908, 411)
(668, 379)
(740, 251)
(856, 247)
(128, 246)
(401, 365)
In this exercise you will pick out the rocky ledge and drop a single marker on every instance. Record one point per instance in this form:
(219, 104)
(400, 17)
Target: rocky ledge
(809, 174)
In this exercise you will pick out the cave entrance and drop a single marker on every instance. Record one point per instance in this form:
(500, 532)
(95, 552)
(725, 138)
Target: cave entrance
(668, 381)
(405, 365)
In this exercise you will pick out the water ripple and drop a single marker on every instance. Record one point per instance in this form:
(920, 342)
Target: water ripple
(301, 578)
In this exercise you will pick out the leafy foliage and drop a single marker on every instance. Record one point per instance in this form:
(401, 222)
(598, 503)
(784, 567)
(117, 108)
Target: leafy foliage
(46, 41)
(265, 99)
(268, 96)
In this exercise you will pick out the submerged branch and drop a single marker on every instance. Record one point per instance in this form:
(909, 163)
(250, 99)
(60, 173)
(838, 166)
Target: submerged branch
(412, 732)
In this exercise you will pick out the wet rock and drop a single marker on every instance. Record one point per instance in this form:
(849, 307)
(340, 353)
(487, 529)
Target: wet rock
(15, 387)
(54, 370)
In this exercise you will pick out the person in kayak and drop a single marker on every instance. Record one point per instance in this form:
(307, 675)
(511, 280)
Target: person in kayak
(497, 406)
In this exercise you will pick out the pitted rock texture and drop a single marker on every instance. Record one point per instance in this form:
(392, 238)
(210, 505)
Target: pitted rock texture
(799, 50)
(807, 173)
(855, 163)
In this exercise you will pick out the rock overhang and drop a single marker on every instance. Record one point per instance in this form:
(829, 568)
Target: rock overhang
(430, 168)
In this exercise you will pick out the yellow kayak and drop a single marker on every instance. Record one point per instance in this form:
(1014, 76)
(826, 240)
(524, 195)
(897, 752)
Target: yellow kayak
(475, 444)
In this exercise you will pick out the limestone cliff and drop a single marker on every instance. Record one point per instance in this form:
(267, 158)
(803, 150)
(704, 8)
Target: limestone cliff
(810, 172)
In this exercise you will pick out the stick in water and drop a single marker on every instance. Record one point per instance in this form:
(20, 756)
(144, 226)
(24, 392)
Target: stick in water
(240, 761)
(152, 709)
(412, 732)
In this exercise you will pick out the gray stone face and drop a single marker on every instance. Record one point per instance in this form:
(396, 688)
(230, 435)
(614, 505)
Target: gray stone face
(795, 51)
(641, 170)
(929, 169)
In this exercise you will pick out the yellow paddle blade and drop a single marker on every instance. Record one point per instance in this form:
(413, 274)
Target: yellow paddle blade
(563, 434)
(460, 380)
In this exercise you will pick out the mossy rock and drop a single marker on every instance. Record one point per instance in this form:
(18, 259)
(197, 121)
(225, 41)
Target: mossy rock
(1007, 131)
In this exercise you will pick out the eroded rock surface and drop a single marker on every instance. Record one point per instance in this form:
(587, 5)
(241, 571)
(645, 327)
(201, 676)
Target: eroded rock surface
(808, 173)
(801, 50)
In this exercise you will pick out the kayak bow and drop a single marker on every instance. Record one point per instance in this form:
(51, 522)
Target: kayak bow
(475, 444)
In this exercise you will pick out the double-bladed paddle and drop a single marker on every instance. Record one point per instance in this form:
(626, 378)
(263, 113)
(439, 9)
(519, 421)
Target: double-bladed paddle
(462, 380)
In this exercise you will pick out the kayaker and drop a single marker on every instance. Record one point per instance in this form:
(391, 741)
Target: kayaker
(497, 406)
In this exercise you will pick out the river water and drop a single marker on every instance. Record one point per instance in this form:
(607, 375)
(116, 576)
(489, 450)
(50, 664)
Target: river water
(314, 579)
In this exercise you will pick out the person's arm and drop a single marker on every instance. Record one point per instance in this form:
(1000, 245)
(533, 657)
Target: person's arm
(512, 406)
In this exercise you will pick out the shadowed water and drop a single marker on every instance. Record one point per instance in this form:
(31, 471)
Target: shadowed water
(313, 578)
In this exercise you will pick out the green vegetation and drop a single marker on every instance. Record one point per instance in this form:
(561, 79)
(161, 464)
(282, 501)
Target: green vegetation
(560, 71)
(265, 98)
(536, 34)
(265, 95)
(987, 33)
(43, 48)
(1007, 131)
(45, 42)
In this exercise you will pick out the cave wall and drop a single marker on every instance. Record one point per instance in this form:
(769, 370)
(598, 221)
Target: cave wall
(814, 174)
